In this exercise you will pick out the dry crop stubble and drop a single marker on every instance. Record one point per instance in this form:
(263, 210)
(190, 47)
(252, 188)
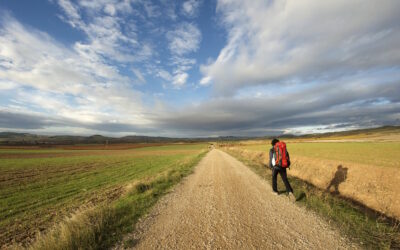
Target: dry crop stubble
(365, 188)
(373, 169)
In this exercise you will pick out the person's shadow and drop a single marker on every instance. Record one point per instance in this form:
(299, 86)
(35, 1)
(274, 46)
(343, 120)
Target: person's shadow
(340, 176)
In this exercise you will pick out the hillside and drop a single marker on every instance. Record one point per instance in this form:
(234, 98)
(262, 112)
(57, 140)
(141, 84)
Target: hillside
(16, 139)
(385, 133)
(11, 138)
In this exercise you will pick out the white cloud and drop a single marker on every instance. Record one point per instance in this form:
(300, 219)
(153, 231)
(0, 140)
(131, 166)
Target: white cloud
(190, 8)
(286, 64)
(139, 75)
(68, 82)
(5, 85)
(184, 39)
(151, 9)
(103, 26)
(180, 79)
(73, 16)
(110, 9)
(121, 6)
(281, 41)
(169, 9)
(205, 81)
(164, 75)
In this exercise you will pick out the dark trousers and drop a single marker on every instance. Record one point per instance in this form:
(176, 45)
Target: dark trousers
(282, 172)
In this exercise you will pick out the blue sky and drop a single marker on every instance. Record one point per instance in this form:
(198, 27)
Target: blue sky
(197, 67)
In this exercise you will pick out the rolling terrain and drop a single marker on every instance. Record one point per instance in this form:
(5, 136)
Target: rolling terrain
(92, 195)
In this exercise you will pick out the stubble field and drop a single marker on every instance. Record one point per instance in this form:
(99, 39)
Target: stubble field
(363, 171)
(379, 154)
(354, 183)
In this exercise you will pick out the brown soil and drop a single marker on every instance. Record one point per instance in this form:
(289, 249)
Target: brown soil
(224, 205)
(89, 146)
(21, 155)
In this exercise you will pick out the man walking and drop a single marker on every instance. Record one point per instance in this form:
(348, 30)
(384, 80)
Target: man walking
(278, 162)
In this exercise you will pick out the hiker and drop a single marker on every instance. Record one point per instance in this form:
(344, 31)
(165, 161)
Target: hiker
(278, 162)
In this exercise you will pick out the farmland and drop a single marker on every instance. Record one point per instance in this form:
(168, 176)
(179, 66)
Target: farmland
(340, 180)
(373, 153)
(91, 196)
(372, 168)
(41, 187)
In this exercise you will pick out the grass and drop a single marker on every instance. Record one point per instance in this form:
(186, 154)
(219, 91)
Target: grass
(4, 151)
(107, 224)
(38, 192)
(369, 230)
(370, 153)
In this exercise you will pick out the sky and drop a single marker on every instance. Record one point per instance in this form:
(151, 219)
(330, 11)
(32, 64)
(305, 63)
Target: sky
(198, 68)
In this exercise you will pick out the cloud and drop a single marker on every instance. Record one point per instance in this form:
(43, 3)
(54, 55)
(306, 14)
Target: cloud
(151, 9)
(47, 76)
(287, 66)
(363, 103)
(205, 81)
(23, 121)
(164, 75)
(190, 8)
(103, 25)
(139, 75)
(180, 79)
(110, 9)
(184, 39)
(282, 41)
(73, 16)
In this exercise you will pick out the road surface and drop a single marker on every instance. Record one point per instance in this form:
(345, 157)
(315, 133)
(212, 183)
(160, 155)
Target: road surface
(224, 205)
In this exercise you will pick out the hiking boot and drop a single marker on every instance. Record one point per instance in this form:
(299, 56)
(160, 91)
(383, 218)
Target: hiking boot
(291, 197)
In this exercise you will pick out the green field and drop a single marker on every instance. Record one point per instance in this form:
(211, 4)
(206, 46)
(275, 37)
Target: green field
(40, 187)
(380, 154)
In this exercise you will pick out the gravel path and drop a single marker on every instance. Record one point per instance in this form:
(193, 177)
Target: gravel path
(224, 205)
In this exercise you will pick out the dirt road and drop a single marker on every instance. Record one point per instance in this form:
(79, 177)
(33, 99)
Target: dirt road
(224, 205)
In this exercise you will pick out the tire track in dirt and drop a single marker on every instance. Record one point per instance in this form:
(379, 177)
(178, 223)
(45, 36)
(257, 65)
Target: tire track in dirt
(225, 205)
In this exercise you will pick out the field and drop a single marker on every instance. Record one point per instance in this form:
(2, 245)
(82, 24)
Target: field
(39, 188)
(350, 181)
(370, 169)
(90, 196)
(378, 154)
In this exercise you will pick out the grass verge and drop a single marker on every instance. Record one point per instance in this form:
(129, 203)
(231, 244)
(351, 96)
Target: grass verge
(369, 229)
(102, 227)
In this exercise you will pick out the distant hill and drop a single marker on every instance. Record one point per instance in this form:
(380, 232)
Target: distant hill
(357, 133)
(12, 138)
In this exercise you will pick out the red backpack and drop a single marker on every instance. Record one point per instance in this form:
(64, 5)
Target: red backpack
(282, 156)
